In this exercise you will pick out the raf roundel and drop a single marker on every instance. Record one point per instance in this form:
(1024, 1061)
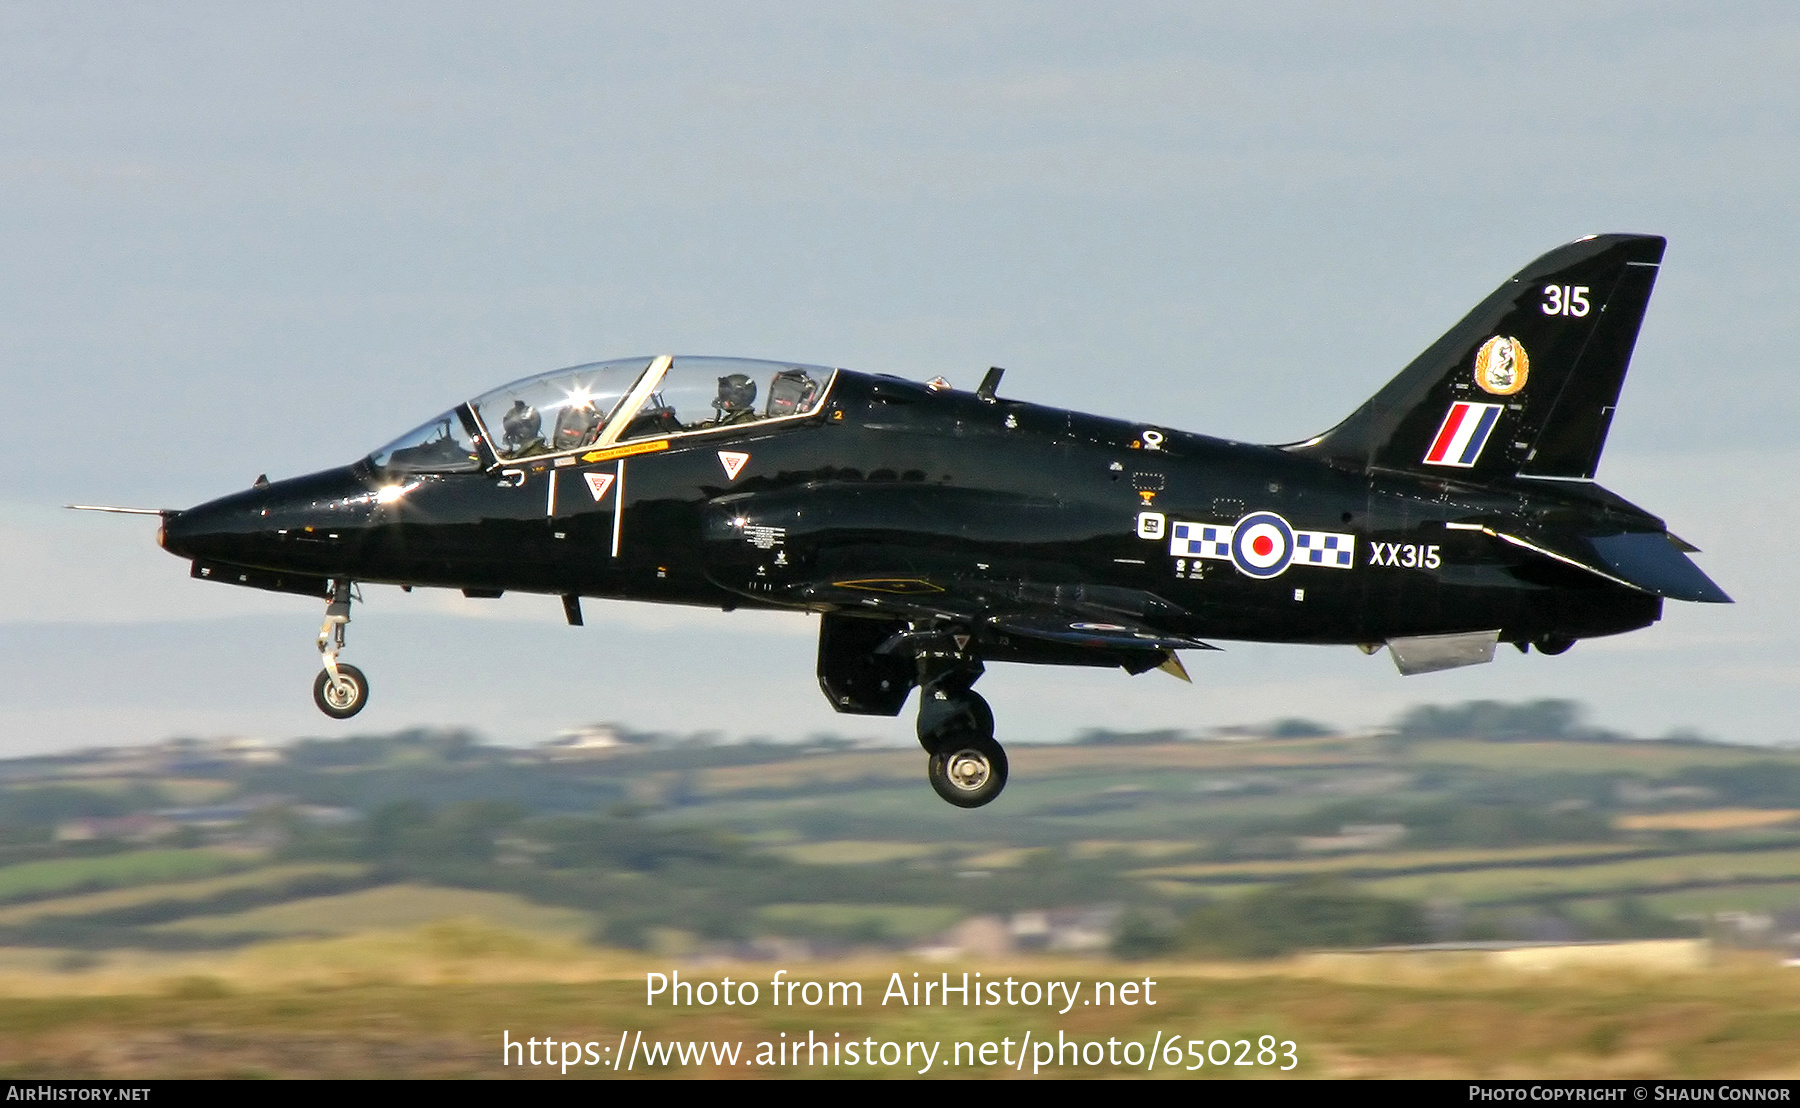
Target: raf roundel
(1262, 545)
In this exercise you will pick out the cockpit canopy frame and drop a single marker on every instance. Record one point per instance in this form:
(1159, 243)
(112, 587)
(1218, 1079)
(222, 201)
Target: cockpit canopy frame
(596, 405)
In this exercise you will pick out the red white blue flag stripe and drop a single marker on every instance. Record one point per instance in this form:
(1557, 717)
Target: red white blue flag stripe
(1465, 431)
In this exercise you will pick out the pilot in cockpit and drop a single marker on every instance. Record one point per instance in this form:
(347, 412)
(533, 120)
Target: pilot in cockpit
(736, 402)
(521, 426)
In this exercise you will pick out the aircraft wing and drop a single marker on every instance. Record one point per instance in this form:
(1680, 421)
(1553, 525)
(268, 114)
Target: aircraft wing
(897, 553)
(1074, 616)
(1107, 634)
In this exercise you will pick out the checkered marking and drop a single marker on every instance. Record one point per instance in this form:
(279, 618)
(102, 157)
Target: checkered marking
(1331, 549)
(1324, 548)
(1200, 540)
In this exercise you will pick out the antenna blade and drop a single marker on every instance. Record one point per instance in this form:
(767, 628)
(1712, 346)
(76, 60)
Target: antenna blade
(989, 383)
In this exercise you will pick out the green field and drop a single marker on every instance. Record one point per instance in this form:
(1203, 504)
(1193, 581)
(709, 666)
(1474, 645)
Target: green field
(1728, 898)
(138, 867)
(852, 852)
(1644, 875)
(264, 877)
(902, 923)
(1649, 758)
(392, 906)
(1377, 864)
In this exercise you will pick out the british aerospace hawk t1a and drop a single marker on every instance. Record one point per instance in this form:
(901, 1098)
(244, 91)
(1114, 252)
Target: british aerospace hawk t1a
(935, 530)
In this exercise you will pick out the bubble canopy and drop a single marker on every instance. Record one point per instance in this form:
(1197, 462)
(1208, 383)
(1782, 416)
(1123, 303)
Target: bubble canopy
(564, 409)
(600, 403)
(441, 444)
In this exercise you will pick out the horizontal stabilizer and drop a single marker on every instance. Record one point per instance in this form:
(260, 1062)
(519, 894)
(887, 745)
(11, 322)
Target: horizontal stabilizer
(1649, 561)
(1655, 564)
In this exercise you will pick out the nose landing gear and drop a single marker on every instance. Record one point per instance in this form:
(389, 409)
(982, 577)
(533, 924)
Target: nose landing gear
(956, 728)
(340, 690)
(342, 694)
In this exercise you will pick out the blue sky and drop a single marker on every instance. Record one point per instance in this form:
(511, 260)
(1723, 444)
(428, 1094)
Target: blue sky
(242, 241)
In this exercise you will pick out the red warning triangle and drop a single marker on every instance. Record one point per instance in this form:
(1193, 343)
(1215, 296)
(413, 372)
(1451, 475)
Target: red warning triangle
(598, 483)
(733, 461)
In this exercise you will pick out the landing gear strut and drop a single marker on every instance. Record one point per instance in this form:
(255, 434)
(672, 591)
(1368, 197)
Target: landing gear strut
(956, 728)
(340, 690)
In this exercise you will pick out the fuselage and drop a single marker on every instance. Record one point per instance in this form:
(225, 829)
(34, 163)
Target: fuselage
(898, 489)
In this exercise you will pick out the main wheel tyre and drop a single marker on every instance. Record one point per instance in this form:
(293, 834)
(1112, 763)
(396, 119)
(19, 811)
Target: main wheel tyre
(344, 697)
(968, 771)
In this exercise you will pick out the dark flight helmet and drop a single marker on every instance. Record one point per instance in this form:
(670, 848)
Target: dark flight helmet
(520, 425)
(737, 393)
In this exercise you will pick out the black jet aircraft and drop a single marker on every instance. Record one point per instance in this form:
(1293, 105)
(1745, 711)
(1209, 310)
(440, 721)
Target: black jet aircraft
(935, 530)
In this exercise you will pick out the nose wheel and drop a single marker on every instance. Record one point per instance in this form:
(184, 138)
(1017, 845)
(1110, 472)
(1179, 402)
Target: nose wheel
(343, 694)
(966, 766)
(340, 690)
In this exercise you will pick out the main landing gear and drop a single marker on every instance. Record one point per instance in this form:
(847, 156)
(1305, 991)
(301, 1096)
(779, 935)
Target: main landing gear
(956, 728)
(870, 666)
(340, 690)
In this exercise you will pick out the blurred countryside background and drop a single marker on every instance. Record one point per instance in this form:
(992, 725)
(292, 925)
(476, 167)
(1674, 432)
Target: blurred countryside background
(1482, 888)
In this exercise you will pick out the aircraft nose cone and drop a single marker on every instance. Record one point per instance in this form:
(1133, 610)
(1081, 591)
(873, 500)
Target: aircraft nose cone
(209, 530)
(265, 526)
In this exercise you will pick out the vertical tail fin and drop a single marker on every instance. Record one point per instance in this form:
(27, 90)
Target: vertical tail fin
(1526, 384)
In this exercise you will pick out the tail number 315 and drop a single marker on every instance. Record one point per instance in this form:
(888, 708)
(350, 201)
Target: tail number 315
(1565, 300)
